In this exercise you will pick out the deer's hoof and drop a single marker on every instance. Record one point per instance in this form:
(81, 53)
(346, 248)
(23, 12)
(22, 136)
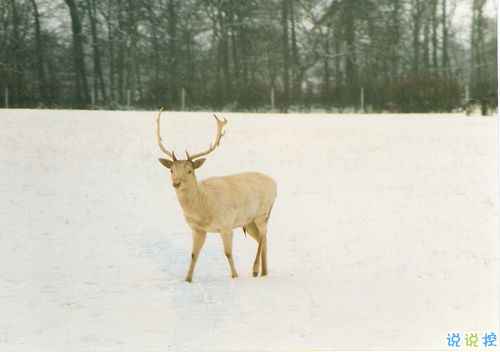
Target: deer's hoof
(255, 273)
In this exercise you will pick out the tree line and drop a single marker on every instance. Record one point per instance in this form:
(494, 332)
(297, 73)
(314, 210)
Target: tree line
(401, 55)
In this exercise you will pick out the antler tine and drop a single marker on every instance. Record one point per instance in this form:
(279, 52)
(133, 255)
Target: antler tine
(215, 144)
(162, 148)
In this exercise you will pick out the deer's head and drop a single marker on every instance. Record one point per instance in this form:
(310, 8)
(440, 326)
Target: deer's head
(183, 171)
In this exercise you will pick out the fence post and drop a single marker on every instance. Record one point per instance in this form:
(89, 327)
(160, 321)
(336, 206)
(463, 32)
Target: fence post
(362, 99)
(183, 98)
(92, 97)
(272, 99)
(128, 99)
(6, 97)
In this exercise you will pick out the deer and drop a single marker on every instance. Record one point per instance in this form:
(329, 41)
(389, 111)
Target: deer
(221, 204)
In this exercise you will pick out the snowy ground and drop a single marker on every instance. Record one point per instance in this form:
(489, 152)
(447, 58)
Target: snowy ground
(383, 236)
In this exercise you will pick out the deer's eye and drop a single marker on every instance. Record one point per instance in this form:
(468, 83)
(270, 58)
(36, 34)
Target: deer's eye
(189, 172)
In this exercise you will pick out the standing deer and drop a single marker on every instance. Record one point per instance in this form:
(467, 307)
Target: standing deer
(220, 204)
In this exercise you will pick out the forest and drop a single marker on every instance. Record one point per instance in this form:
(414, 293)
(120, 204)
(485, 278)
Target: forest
(247, 55)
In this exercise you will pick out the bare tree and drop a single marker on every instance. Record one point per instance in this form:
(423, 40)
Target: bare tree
(445, 56)
(99, 86)
(81, 86)
(40, 61)
(285, 9)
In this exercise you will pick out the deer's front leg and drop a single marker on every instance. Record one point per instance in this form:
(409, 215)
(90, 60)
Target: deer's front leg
(198, 241)
(227, 240)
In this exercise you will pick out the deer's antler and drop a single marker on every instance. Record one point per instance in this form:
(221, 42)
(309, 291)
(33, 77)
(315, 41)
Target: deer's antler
(215, 144)
(162, 148)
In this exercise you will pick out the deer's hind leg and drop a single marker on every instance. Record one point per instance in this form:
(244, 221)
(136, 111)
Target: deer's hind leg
(262, 251)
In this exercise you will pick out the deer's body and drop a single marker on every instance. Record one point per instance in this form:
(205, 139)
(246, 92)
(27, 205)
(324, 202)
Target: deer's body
(220, 204)
(233, 201)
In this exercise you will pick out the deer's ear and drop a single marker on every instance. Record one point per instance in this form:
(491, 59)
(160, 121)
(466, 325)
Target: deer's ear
(198, 163)
(165, 162)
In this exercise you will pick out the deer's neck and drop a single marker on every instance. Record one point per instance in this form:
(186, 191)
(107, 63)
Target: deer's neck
(194, 202)
(190, 199)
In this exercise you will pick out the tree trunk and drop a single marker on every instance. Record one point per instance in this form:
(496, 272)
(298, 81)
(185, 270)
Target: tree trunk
(435, 24)
(326, 71)
(17, 81)
(395, 39)
(111, 53)
(352, 84)
(427, 24)
(132, 53)
(190, 82)
(98, 75)
(172, 48)
(286, 55)
(296, 70)
(339, 74)
(122, 53)
(445, 58)
(81, 86)
(239, 83)
(42, 77)
(224, 55)
(477, 72)
(417, 25)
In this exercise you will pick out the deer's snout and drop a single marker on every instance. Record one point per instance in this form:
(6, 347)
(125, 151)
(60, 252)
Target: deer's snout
(176, 184)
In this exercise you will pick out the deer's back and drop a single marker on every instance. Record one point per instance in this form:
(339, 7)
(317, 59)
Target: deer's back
(244, 186)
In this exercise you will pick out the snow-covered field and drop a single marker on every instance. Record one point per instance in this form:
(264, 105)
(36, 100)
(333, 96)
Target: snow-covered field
(384, 234)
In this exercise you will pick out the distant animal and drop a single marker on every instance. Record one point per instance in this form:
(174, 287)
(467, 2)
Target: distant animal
(488, 104)
(221, 204)
(470, 106)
